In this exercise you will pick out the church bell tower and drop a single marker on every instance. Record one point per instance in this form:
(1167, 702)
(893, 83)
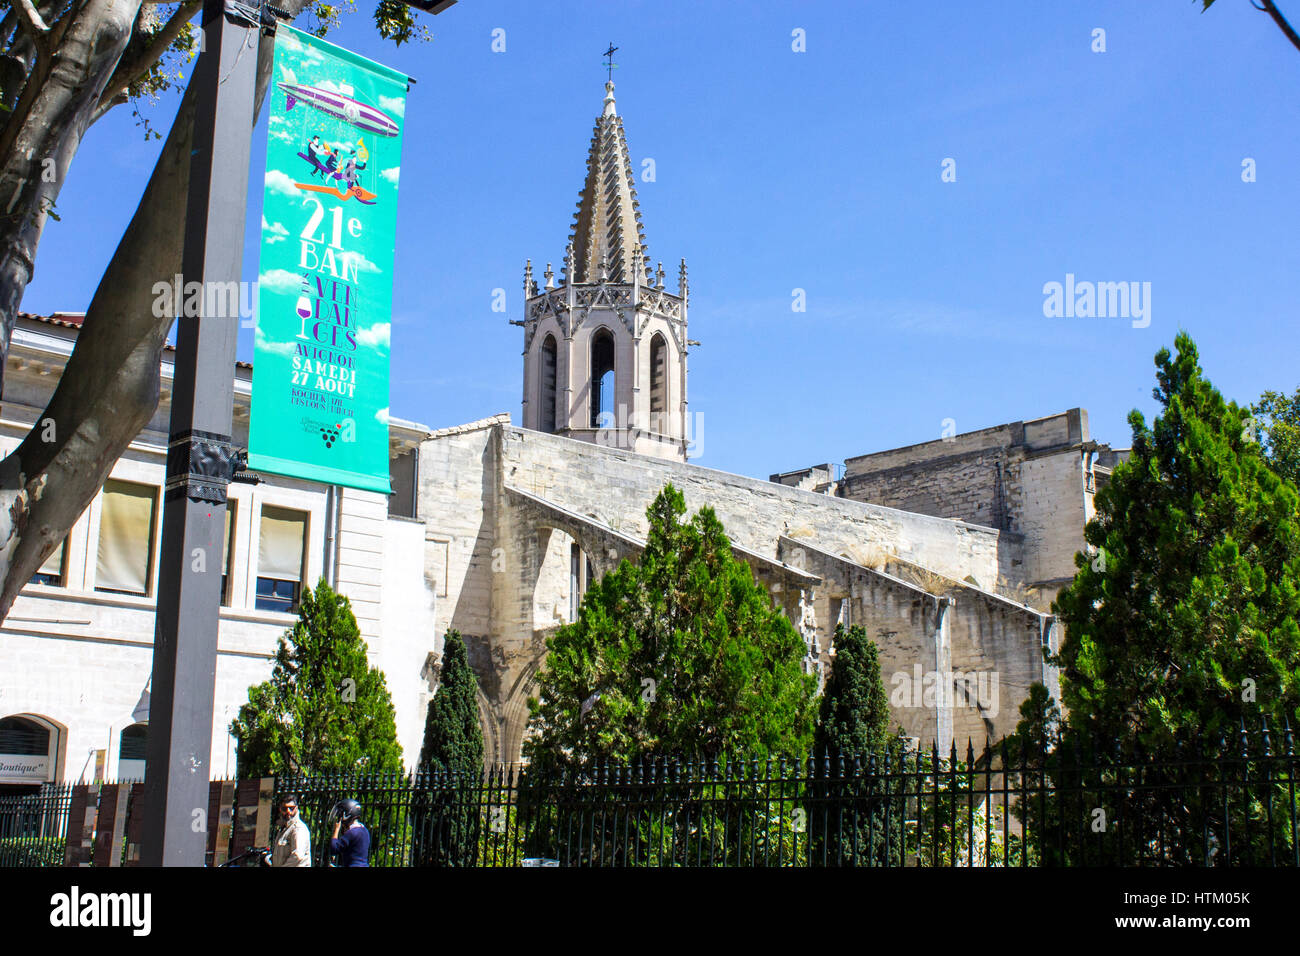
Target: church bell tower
(605, 348)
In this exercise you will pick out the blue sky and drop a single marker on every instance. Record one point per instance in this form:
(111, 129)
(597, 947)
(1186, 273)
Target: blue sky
(820, 170)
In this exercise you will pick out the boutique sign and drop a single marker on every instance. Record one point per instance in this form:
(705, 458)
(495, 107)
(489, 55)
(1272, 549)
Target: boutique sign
(22, 768)
(325, 285)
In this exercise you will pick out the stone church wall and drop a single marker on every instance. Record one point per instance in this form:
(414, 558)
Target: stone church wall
(965, 486)
(1025, 479)
(984, 649)
(458, 501)
(615, 488)
(494, 499)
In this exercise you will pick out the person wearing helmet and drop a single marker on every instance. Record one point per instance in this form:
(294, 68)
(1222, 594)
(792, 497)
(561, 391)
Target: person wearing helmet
(353, 846)
(292, 846)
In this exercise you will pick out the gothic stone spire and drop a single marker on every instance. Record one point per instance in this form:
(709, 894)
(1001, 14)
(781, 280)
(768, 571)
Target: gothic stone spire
(607, 226)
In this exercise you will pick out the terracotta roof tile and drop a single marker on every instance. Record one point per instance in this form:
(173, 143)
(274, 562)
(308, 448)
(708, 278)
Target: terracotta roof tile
(73, 320)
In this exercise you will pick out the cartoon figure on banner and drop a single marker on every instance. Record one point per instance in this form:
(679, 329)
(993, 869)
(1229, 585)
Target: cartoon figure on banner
(339, 162)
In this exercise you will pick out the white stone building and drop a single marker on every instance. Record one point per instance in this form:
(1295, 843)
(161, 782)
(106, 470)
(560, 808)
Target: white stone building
(76, 649)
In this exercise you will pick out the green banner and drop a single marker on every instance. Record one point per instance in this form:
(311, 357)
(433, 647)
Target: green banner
(325, 284)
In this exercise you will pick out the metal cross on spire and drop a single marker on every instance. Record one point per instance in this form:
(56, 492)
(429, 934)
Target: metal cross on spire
(611, 65)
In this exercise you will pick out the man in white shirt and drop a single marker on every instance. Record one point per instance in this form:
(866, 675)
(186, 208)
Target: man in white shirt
(292, 845)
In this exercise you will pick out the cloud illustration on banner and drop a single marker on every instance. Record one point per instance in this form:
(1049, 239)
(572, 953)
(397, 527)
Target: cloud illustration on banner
(277, 233)
(280, 280)
(392, 174)
(278, 182)
(362, 263)
(393, 104)
(275, 348)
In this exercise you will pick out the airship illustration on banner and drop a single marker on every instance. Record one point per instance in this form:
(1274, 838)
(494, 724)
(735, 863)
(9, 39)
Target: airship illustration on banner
(343, 107)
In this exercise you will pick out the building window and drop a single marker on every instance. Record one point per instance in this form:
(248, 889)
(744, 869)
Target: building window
(227, 546)
(23, 737)
(658, 383)
(547, 400)
(602, 380)
(280, 555)
(133, 744)
(404, 472)
(127, 521)
(51, 572)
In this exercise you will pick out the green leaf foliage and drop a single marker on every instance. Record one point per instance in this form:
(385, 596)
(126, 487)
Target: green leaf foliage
(1186, 619)
(447, 819)
(1277, 428)
(453, 737)
(854, 714)
(848, 818)
(688, 654)
(324, 709)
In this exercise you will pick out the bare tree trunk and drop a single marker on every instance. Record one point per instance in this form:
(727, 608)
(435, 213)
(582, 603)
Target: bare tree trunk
(109, 388)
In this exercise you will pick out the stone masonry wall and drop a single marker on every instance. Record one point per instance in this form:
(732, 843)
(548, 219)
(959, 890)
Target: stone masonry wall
(457, 501)
(992, 643)
(966, 486)
(616, 487)
(493, 499)
(1023, 478)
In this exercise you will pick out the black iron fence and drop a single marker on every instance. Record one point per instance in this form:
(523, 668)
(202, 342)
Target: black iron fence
(34, 826)
(1229, 803)
(1232, 803)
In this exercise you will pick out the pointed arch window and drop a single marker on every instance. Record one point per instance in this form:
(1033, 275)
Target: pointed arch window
(547, 423)
(602, 380)
(658, 384)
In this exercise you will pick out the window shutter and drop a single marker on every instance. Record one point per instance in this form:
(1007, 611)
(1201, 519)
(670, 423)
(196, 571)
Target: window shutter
(225, 540)
(125, 537)
(54, 563)
(280, 545)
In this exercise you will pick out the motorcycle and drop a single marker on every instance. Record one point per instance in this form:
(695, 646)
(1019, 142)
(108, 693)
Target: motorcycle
(257, 856)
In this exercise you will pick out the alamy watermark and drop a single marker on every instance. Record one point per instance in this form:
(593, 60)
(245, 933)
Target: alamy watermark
(934, 689)
(624, 429)
(80, 909)
(1102, 300)
(208, 300)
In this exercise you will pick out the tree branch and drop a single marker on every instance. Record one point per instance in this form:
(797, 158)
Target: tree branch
(1271, 9)
(136, 63)
(106, 105)
(31, 21)
(7, 25)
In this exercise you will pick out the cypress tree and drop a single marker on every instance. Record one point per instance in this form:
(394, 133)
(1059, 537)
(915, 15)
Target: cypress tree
(1181, 625)
(324, 709)
(854, 714)
(447, 814)
(453, 737)
(682, 653)
(1185, 619)
(853, 722)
